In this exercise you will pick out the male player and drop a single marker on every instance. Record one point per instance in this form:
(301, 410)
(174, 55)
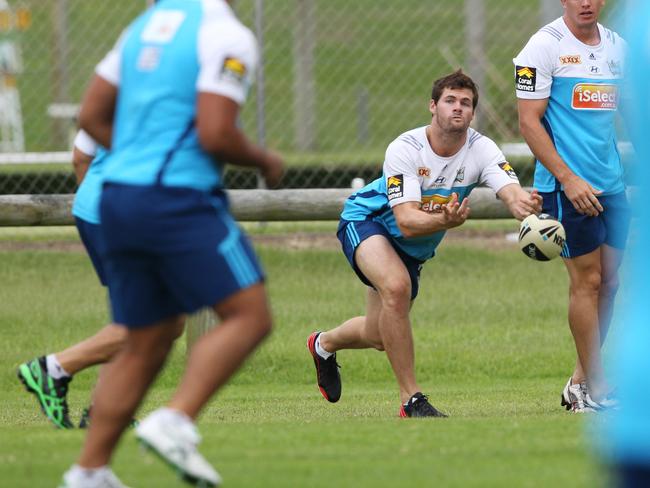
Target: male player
(390, 227)
(165, 101)
(567, 80)
(47, 377)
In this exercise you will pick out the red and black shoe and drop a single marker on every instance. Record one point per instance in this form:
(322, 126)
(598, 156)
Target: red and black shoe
(419, 406)
(327, 372)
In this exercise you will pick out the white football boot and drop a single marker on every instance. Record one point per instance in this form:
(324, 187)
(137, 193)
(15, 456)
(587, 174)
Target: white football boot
(174, 437)
(573, 399)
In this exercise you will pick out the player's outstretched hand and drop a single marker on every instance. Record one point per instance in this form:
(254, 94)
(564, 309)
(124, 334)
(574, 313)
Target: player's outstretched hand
(583, 196)
(455, 213)
(525, 204)
(273, 169)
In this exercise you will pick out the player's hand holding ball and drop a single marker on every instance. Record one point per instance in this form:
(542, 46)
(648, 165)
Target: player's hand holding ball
(541, 237)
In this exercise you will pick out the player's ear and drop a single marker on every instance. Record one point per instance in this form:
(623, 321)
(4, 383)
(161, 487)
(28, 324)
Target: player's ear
(432, 106)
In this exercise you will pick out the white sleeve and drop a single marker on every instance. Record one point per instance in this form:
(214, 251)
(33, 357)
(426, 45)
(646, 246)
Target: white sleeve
(228, 58)
(496, 172)
(402, 182)
(109, 67)
(86, 144)
(534, 67)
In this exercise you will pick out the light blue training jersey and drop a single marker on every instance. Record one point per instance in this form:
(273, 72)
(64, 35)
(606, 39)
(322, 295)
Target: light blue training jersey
(164, 58)
(412, 172)
(86, 200)
(581, 83)
(627, 430)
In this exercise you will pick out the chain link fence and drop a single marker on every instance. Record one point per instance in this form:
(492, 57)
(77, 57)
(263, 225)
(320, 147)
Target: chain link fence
(339, 80)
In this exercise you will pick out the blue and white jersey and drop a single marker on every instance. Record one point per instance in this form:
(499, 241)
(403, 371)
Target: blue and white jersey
(581, 83)
(412, 172)
(170, 53)
(86, 200)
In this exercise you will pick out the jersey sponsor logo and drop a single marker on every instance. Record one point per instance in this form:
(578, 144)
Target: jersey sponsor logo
(570, 59)
(509, 170)
(162, 26)
(395, 186)
(460, 175)
(423, 171)
(233, 69)
(594, 96)
(434, 203)
(525, 78)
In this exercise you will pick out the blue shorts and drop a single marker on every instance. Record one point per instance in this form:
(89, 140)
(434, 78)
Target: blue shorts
(171, 251)
(93, 240)
(585, 234)
(351, 234)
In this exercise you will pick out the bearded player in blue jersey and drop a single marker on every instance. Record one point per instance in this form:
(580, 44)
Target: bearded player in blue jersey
(389, 228)
(567, 82)
(165, 101)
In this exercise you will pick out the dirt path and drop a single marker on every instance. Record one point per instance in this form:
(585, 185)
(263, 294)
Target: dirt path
(296, 241)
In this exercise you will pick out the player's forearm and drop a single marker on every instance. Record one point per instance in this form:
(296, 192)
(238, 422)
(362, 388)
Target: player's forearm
(80, 163)
(420, 223)
(233, 147)
(542, 147)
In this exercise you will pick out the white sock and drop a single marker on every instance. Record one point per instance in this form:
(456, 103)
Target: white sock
(89, 474)
(319, 349)
(54, 368)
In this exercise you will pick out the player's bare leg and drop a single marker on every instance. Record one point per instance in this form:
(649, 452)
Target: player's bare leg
(245, 322)
(123, 386)
(610, 262)
(97, 349)
(584, 291)
(382, 266)
(358, 332)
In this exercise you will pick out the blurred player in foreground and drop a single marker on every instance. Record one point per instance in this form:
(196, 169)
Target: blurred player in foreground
(626, 439)
(47, 377)
(567, 82)
(390, 227)
(165, 101)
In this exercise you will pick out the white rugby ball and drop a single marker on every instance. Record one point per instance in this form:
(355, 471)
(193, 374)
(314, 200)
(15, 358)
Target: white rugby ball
(541, 237)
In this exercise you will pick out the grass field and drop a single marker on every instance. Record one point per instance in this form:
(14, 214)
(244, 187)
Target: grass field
(492, 350)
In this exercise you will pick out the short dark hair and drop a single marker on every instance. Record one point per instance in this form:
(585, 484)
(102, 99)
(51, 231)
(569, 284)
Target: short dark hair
(454, 81)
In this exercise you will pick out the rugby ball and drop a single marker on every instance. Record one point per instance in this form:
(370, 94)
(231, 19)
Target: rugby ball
(541, 237)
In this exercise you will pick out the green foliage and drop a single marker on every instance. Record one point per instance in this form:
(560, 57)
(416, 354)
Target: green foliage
(493, 350)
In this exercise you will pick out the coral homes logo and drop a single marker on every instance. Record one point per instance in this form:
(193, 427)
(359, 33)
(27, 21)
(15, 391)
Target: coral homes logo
(594, 96)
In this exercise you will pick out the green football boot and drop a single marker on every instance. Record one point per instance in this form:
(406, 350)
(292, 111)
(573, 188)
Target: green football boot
(50, 393)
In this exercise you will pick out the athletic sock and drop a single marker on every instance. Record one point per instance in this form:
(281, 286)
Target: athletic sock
(54, 368)
(320, 350)
(76, 472)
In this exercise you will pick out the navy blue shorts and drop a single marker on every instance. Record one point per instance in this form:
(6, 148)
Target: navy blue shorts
(171, 251)
(351, 234)
(93, 241)
(585, 234)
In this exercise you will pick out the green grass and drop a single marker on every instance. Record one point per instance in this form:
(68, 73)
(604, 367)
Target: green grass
(493, 350)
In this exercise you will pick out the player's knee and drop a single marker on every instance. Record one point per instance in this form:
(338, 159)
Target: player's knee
(609, 286)
(396, 293)
(588, 283)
